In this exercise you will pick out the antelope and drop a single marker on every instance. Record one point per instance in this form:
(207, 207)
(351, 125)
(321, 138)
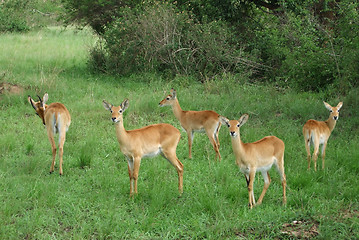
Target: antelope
(192, 121)
(255, 157)
(318, 133)
(57, 119)
(145, 142)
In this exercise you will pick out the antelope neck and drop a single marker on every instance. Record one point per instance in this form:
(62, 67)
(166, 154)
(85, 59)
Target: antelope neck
(238, 146)
(120, 131)
(331, 123)
(177, 110)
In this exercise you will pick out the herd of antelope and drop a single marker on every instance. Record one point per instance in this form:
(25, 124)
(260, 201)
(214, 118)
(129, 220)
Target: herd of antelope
(163, 139)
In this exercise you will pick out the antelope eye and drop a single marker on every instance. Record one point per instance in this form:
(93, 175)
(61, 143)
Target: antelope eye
(238, 125)
(120, 111)
(167, 98)
(331, 110)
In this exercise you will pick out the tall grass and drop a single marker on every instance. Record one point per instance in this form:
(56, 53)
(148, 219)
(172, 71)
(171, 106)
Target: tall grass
(92, 199)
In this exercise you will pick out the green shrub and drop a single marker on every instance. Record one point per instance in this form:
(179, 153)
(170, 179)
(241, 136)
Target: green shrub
(96, 13)
(23, 15)
(346, 45)
(97, 57)
(298, 50)
(309, 52)
(12, 16)
(157, 37)
(310, 46)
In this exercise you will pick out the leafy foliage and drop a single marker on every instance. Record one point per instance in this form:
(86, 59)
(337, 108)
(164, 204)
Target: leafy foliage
(96, 13)
(346, 44)
(306, 49)
(308, 45)
(299, 51)
(161, 38)
(11, 19)
(24, 15)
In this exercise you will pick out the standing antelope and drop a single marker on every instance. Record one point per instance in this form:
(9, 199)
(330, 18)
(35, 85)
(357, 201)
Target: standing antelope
(147, 141)
(318, 132)
(193, 121)
(57, 119)
(255, 157)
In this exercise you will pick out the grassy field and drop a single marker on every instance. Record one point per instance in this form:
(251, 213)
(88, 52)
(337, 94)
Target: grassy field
(91, 200)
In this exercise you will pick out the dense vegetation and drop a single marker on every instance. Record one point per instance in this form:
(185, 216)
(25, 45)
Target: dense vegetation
(23, 15)
(309, 45)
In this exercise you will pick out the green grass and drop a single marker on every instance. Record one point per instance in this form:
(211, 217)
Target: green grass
(91, 200)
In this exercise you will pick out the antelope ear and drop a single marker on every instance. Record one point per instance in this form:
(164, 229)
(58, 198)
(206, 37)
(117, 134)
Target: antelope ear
(125, 104)
(45, 98)
(173, 93)
(339, 106)
(327, 106)
(243, 119)
(106, 105)
(224, 120)
(31, 101)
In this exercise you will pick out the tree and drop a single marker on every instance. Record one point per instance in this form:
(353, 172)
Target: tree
(96, 13)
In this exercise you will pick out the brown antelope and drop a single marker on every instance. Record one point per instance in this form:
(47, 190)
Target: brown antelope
(57, 119)
(318, 132)
(255, 157)
(145, 142)
(192, 121)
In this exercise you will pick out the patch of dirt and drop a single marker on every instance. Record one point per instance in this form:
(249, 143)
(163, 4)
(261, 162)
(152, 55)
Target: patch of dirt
(10, 88)
(303, 229)
(347, 213)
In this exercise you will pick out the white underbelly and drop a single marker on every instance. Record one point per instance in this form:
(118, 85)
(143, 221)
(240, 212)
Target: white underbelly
(265, 168)
(194, 130)
(246, 169)
(152, 153)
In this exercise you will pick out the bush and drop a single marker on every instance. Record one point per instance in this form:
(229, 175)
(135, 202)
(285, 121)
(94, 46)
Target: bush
(297, 50)
(308, 52)
(310, 46)
(346, 44)
(96, 13)
(158, 37)
(23, 15)
(97, 59)
(310, 64)
(12, 16)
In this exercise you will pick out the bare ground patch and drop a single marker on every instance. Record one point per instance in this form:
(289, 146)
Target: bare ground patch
(307, 229)
(349, 213)
(10, 88)
(303, 229)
